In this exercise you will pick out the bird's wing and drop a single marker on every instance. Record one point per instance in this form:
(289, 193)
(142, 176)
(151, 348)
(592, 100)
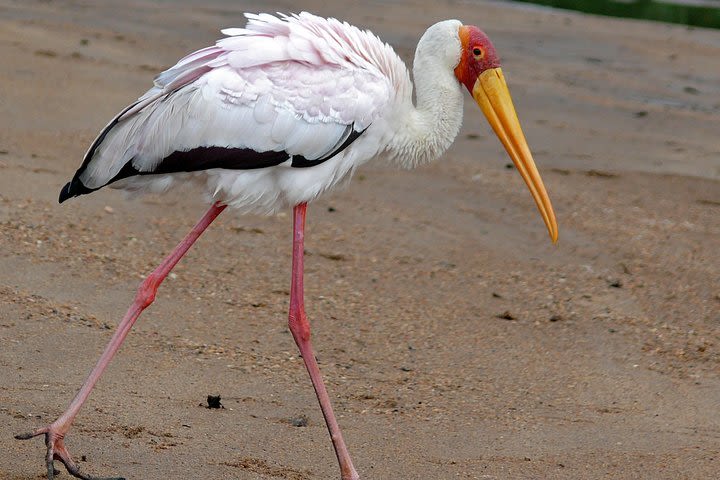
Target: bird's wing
(280, 91)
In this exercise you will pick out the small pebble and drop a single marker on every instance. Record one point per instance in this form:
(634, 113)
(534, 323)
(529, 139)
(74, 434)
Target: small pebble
(299, 422)
(213, 401)
(506, 315)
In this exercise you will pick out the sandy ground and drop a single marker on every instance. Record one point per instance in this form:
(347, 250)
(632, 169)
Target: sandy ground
(608, 369)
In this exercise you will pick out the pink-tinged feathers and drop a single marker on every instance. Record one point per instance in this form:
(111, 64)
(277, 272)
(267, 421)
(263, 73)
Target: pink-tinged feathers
(290, 84)
(188, 69)
(318, 41)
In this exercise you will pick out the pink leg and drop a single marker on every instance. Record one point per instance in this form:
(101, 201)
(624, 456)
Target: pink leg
(300, 329)
(55, 432)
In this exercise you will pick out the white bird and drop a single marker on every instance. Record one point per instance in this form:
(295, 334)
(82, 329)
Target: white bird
(272, 116)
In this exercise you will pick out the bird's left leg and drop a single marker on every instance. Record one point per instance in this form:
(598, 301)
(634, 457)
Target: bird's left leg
(56, 431)
(300, 328)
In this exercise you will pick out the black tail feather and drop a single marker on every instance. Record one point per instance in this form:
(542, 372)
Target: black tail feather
(73, 189)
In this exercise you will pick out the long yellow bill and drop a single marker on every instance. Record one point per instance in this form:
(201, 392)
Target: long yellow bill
(492, 95)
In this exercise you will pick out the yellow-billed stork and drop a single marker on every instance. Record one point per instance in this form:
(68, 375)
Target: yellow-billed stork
(272, 116)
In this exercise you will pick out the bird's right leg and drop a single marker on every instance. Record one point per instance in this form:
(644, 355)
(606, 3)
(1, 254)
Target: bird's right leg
(300, 329)
(56, 431)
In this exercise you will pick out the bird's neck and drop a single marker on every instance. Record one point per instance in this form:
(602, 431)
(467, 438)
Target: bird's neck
(428, 128)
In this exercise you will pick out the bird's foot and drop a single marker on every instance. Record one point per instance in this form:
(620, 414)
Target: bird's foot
(56, 450)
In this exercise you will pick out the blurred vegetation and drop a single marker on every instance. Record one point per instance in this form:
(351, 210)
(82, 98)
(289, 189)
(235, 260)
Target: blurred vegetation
(697, 14)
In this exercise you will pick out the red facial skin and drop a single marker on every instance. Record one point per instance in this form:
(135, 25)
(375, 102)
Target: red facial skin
(472, 65)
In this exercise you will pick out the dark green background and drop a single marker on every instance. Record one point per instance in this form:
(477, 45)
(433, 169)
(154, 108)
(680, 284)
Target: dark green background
(705, 15)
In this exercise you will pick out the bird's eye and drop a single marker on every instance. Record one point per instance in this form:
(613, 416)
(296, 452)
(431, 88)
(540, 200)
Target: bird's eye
(478, 52)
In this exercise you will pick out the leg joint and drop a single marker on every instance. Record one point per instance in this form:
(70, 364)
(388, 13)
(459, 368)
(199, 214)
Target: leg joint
(147, 290)
(299, 326)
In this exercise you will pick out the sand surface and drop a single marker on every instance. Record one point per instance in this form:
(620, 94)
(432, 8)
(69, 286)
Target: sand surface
(608, 369)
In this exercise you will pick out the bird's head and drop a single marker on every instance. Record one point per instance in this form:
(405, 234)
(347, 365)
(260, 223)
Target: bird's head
(479, 70)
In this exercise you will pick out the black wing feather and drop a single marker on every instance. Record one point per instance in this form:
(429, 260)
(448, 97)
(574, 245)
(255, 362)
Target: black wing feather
(202, 158)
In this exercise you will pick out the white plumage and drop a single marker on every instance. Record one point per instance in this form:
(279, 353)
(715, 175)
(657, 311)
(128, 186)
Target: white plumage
(298, 84)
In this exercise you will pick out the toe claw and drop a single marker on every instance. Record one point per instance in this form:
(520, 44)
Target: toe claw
(55, 442)
(33, 434)
(51, 472)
